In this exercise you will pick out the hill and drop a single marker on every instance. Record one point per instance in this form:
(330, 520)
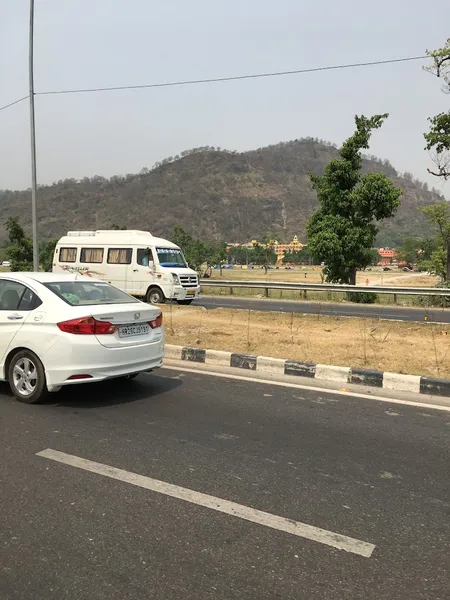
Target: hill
(213, 194)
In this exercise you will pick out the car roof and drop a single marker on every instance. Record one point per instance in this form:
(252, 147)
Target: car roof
(30, 276)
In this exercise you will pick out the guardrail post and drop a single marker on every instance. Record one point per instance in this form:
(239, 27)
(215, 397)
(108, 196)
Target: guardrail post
(231, 291)
(266, 292)
(305, 294)
(395, 298)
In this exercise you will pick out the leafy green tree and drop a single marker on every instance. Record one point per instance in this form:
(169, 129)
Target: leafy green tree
(342, 232)
(417, 250)
(297, 257)
(216, 254)
(439, 260)
(292, 257)
(19, 249)
(46, 252)
(194, 250)
(263, 254)
(240, 255)
(305, 256)
(438, 138)
(374, 257)
(118, 227)
(409, 251)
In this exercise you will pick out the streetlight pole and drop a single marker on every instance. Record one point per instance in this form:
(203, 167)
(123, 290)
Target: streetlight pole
(33, 141)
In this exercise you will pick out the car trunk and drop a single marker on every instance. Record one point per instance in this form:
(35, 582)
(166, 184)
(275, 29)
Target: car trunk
(133, 324)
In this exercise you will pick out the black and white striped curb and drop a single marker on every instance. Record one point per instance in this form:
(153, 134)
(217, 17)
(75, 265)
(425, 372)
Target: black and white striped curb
(280, 366)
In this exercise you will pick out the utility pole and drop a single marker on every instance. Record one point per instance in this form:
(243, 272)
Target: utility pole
(33, 141)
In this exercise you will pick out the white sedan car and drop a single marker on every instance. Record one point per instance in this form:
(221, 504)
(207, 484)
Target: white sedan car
(58, 330)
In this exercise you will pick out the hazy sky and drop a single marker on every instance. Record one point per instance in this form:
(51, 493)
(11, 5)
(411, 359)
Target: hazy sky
(89, 43)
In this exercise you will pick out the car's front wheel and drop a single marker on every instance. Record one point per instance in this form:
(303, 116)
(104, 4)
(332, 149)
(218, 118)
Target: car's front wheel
(26, 377)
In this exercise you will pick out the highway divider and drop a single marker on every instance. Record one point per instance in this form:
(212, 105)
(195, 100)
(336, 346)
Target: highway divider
(336, 374)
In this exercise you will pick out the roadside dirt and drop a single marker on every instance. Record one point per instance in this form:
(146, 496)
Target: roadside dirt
(412, 348)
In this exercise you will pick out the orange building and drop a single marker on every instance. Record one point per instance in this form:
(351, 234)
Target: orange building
(387, 256)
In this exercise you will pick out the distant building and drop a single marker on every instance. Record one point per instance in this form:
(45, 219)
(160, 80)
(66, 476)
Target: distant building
(280, 249)
(387, 257)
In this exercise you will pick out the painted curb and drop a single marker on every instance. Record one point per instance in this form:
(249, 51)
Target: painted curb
(278, 366)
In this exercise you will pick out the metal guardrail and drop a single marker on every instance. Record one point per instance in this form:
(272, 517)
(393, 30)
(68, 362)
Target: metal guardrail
(323, 287)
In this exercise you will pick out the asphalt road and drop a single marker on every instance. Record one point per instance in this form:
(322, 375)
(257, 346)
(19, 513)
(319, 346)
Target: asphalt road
(368, 311)
(375, 472)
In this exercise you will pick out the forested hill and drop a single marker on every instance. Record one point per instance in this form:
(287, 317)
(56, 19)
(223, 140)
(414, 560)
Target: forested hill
(213, 194)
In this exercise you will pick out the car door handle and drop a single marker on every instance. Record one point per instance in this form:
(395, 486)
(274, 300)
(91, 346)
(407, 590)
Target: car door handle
(15, 317)
(135, 270)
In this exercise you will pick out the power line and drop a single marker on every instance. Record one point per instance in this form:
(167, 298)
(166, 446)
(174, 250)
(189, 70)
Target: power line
(232, 78)
(15, 102)
(218, 79)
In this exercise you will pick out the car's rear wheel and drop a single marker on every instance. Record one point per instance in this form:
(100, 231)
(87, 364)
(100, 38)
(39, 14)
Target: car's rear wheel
(26, 377)
(154, 296)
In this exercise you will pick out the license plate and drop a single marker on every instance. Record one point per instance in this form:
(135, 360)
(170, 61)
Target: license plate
(190, 293)
(132, 330)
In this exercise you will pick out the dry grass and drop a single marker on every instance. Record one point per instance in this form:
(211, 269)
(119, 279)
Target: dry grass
(313, 275)
(281, 274)
(422, 280)
(412, 348)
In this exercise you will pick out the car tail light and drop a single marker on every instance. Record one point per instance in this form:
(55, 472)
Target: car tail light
(82, 376)
(87, 326)
(156, 322)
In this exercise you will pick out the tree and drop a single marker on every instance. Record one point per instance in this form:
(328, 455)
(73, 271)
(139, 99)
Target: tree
(263, 254)
(292, 257)
(194, 250)
(216, 254)
(439, 261)
(408, 252)
(46, 252)
(416, 250)
(438, 138)
(297, 257)
(19, 248)
(240, 255)
(342, 232)
(374, 257)
(118, 227)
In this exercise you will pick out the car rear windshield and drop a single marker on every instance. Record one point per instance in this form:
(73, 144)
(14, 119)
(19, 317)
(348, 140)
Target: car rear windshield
(86, 293)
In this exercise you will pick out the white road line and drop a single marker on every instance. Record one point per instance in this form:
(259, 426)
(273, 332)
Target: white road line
(335, 540)
(309, 388)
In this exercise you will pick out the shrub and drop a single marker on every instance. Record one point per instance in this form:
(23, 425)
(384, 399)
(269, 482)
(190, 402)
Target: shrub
(362, 297)
(433, 301)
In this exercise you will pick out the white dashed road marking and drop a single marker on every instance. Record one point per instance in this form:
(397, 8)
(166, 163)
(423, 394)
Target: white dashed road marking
(335, 540)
